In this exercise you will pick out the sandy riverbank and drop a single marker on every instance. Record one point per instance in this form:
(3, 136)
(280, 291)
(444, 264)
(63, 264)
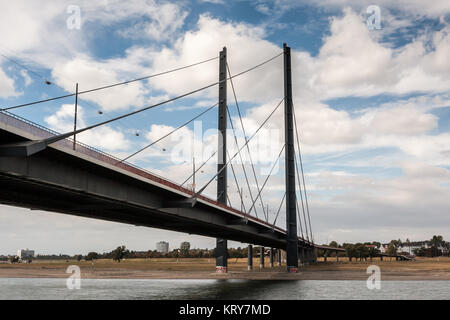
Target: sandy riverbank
(422, 269)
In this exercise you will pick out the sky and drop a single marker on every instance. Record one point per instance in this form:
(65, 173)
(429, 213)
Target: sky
(371, 87)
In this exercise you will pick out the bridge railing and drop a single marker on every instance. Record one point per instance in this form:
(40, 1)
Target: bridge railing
(77, 143)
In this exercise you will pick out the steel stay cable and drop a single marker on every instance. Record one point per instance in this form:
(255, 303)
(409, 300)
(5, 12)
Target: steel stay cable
(204, 163)
(299, 219)
(192, 92)
(279, 209)
(229, 201)
(268, 176)
(168, 134)
(254, 134)
(40, 76)
(108, 86)
(68, 134)
(242, 162)
(237, 184)
(303, 176)
(22, 66)
(198, 169)
(245, 137)
(301, 197)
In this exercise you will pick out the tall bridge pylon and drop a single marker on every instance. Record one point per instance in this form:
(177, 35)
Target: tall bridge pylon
(291, 218)
(291, 201)
(221, 244)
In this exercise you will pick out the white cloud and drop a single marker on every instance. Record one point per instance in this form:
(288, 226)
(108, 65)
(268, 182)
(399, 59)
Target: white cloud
(349, 57)
(352, 62)
(92, 74)
(417, 198)
(202, 104)
(7, 86)
(26, 77)
(103, 137)
(243, 42)
(166, 20)
(66, 52)
(401, 120)
(262, 8)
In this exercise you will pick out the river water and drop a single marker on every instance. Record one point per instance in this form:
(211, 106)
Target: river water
(106, 289)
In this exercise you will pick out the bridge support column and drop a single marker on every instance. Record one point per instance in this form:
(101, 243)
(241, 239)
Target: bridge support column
(221, 255)
(302, 256)
(381, 258)
(250, 257)
(325, 256)
(279, 257)
(291, 216)
(314, 255)
(271, 257)
(221, 244)
(307, 256)
(337, 256)
(261, 257)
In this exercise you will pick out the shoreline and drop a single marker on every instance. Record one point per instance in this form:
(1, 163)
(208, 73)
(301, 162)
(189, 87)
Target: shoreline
(337, 276)
(426, 269)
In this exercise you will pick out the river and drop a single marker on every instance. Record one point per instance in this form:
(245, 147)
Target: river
(132, 289)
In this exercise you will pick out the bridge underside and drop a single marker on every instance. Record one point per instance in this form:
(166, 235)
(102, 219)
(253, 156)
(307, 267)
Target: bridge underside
(59, 180)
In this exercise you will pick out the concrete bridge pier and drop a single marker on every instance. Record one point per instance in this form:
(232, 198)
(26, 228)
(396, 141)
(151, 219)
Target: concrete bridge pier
(314, 255)
(250, 257)
(302, 256)
(337, 256)
(271, 257)
(279, 257)
(325, 255)
(306, 255)
(309, 255)
(261, 257)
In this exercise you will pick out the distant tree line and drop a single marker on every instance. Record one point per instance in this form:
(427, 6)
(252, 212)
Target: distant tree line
(360, 251)
(363, 251)
(436, 249)
(122, 252)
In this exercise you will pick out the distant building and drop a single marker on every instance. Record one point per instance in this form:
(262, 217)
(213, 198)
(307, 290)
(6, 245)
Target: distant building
(410, 247)
(162, 247)
(25, 254)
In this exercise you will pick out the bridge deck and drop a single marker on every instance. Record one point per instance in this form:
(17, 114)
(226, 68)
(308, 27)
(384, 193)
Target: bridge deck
(23, 129)
(37, 132)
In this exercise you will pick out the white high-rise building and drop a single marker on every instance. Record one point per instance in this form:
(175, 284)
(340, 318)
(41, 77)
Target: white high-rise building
(162, 247)
(25, 254)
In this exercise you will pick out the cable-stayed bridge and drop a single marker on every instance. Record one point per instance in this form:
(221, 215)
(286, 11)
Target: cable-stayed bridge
(45, 170)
